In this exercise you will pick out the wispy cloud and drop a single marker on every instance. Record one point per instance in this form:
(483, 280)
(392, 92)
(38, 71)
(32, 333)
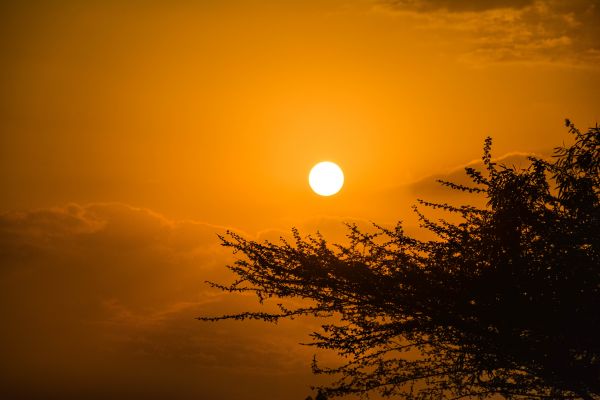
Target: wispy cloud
(517, 31)
(457, 5)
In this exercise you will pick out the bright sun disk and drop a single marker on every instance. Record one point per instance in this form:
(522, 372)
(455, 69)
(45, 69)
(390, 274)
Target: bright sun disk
(326, 178)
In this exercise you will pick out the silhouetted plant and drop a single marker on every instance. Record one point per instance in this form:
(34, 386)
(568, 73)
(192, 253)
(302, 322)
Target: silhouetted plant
(320, 396)
(505, 301)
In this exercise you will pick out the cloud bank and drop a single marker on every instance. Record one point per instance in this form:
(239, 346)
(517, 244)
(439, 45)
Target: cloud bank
(100, 301)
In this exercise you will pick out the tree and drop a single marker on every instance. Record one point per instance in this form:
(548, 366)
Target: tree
(505, 301)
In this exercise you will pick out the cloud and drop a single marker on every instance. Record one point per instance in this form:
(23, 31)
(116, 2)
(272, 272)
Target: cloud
(457, 5)
(400, 199)
(100, 301)
(428, 186)
(429, 189)
(505, 31)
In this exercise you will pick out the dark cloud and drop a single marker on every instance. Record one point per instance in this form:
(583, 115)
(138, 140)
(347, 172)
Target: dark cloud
(100, 301)
(541, 31)
(457, 5)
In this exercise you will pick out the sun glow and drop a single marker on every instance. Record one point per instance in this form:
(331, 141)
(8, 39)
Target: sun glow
(326, 178)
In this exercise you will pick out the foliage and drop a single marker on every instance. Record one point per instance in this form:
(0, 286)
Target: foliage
(505, 301)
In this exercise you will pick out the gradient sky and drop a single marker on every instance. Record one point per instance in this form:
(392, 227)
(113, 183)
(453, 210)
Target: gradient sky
(131, 132)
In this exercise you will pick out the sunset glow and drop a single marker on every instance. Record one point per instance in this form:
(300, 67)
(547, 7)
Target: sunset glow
(134, 133)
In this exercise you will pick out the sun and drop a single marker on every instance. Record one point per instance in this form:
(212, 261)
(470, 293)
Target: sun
(326, 178)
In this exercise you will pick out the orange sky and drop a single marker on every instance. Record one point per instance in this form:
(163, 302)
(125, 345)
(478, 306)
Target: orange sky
(133, 131)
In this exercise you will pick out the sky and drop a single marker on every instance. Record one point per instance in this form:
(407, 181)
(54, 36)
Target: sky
(133, 132)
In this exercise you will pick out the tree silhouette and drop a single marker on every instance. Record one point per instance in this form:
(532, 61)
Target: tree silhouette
(320, 396)
(504, 301)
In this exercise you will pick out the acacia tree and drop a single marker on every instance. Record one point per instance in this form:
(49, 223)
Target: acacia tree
(505, 301)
